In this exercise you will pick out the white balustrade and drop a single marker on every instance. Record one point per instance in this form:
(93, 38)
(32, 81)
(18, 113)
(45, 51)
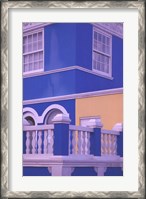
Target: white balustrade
(109, 142)
(79, 140)
(39, 139)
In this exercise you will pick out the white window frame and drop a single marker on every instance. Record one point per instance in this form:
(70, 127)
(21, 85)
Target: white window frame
(104, 74)
(86, 119)
(32, 52)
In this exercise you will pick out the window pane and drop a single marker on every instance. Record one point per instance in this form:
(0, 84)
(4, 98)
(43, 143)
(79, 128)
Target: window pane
(30, 66)
(40, 36)
(35, 37)
(35, 46)
(26, 59)
(36, 65)
(33, 60)
(24, 49)
(30, 58)
(40, 55)
(25, 40)
(36, 56)
(40, 64)
(39, 45)
(29, 38)
(26, 67)
(29, 47)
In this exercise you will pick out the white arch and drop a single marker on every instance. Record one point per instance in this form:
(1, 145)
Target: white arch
(27, 111)
(51, 107)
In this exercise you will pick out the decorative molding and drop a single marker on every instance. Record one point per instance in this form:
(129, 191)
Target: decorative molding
(43, 160)
(110, 132)
(112, 28)
(95, 123)
(100, 170)
(65, 69)
(27, 111)
(74, 96)
(61, 118)
(33, 25)
(118, 127)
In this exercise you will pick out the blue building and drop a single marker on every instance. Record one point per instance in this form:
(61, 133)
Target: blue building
(72, 80)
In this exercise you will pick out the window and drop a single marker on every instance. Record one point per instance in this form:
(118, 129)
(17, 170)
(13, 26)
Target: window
(84, 120)
(101, 53)
(33, 52)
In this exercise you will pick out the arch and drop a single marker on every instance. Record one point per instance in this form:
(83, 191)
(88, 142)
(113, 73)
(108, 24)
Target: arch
(30, 116)
(51, 111)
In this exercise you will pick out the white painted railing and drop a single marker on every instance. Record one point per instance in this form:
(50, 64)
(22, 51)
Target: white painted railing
(109, 142)
(39, 139)
(79, 140)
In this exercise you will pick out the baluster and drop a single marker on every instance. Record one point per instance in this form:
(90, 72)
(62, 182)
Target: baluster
(115, 145)
(102, 143)
(80, 142)
(109, 144)
(112, 144)
(27, 142)
(105, 144)
(69, 144)
(45, 142)
(88, 142)
(50, 141)
(73, 142)
(39, 142)
(85, 142)
(33, 142)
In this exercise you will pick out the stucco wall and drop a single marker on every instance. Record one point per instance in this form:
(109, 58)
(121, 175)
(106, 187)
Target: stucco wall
(109, 108)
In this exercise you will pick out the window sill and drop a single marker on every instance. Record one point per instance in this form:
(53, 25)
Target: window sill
(32, 72)
(107, 76)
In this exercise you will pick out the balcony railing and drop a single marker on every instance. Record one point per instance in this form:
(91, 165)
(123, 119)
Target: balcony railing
(41, 140)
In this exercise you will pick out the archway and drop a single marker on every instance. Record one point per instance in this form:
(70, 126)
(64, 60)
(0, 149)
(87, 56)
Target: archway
(52, 111)
(30, 116)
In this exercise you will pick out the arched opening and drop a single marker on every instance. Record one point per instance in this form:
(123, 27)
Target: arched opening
(29, 121)
(52, 111)
(50, 116)
(30, 117)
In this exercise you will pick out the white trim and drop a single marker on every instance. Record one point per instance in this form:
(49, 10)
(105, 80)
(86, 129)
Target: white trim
(99, 72)
(32, 113)
(43, 160)
(80, 128)
(51, 107)
(27, 111)
(66, 69)
(32, 72)
(38, 127)
(32, 26)
(111, 132)
(114, 31)
(75, 96)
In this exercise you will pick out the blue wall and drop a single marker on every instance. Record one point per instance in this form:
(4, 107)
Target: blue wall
(79, 171)
(69, 105)
(114, 171)
(84, 45)
(36, 171)
(60, 45)
(49, 85)
(69, 44)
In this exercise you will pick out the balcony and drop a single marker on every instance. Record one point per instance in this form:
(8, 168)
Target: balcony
(62, 147)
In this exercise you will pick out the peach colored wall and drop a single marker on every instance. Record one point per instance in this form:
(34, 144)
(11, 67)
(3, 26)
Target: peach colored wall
(109, 108)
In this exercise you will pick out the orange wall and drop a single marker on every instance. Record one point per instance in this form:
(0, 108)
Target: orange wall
(109, 108)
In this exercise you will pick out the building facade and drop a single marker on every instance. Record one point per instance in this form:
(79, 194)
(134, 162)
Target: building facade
(75, 69)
